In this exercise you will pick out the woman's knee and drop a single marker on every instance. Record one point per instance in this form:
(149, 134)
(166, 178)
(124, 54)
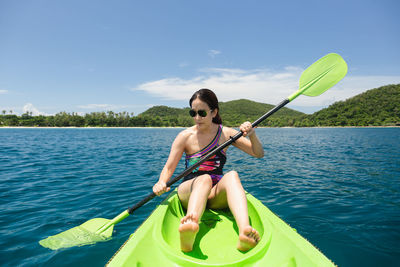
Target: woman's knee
(204, 181)
(232, 176)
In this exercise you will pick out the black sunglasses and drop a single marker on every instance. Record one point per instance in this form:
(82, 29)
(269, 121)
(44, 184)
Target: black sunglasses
(201, 112)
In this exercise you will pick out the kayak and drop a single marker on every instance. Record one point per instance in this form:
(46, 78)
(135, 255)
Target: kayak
(156, 242)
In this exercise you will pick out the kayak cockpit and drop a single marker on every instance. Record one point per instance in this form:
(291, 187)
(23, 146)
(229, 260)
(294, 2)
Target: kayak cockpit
(216, 240)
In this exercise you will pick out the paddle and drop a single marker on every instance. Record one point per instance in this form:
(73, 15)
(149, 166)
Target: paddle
(315, 80)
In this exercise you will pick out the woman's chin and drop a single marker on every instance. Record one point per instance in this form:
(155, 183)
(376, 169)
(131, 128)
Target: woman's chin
(200, 125)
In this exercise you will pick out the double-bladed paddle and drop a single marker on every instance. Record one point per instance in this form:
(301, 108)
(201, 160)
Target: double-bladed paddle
(315, 80)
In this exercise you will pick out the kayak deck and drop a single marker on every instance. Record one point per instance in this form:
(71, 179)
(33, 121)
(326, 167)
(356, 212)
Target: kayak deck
(156, 242)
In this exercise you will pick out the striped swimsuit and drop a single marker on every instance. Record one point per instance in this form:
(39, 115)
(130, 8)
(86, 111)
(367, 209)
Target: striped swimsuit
(213, 166)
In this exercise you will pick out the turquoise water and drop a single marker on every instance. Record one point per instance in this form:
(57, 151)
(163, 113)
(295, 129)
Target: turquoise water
(340, 188)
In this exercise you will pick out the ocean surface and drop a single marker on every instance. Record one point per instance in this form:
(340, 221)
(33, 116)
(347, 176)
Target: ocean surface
(339, 187)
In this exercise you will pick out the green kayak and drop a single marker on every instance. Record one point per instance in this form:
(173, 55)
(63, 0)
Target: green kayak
(156, 241)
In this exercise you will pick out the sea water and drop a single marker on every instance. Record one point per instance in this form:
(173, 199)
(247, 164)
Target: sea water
(339, 187)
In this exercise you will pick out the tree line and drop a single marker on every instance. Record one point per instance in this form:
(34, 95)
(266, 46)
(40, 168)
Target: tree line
(376, 107)
(104, 119)
(94, 119)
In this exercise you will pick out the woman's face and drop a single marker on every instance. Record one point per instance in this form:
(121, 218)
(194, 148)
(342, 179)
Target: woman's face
(200, 121)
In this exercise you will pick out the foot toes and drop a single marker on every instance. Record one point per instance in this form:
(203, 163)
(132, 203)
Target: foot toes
(252, 234)
(248, 238)
(247, 230)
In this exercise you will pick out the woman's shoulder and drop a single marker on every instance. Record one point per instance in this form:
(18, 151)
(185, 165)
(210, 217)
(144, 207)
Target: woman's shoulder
(182, 138)
(186, 133)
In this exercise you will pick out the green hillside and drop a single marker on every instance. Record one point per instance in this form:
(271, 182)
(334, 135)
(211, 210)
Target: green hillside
(375, 107)
(233, 113)
(167, 116)
(164, 111)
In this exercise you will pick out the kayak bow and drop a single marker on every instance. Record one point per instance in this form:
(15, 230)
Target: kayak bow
(156, 241)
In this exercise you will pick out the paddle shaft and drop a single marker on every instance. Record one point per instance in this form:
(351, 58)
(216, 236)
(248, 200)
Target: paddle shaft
(208, 155)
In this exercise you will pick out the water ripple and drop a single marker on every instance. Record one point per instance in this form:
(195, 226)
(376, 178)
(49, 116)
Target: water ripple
(338, 187)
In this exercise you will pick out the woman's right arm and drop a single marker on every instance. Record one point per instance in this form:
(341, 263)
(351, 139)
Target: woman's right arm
(177, 149)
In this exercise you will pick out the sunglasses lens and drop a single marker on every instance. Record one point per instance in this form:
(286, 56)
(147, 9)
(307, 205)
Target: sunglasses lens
(202, 113)
(192, 113)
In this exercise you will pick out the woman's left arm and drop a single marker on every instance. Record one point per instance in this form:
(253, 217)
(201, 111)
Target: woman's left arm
(252, 145)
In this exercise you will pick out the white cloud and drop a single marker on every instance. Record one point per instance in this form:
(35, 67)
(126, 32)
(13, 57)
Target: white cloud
(2, 92)
(229, 84)
(262, 85)
(212, 53)
(29, 107)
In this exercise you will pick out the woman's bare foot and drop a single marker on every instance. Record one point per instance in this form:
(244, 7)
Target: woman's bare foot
(188, 230)
(248, 239)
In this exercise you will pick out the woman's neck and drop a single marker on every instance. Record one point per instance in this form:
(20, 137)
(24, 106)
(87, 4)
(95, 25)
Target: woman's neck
(207, 129)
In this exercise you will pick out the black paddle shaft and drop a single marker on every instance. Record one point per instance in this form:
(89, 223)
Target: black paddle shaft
(208, 155)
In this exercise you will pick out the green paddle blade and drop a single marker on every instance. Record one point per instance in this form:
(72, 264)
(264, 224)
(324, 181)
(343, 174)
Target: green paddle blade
(83, 234)
(320, 76)
(90, 232)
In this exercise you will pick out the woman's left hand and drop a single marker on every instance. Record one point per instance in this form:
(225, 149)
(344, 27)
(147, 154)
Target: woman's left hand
(246, 129)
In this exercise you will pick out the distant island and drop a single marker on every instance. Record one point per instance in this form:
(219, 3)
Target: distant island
(375, 107)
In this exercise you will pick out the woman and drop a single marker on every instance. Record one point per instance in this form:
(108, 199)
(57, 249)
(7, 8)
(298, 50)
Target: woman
(207, 185)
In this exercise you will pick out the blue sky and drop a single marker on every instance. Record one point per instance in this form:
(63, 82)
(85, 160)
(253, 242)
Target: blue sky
(85, 56)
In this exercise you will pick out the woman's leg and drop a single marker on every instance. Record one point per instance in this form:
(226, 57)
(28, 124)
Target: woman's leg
(229, 192)
(193, 195)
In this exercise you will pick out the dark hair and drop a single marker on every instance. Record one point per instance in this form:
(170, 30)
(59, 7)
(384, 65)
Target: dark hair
(208, 96)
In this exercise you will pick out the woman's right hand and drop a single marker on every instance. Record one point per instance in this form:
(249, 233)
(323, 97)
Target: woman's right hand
(160, 188)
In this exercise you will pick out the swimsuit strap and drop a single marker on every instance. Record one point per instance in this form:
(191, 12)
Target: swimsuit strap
(210, 146)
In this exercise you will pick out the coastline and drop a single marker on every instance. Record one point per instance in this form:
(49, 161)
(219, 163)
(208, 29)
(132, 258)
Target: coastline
(74, 127)
(181, 127)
